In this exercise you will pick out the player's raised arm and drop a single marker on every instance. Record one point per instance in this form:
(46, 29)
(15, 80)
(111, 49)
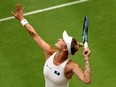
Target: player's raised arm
(84, 76)
(48, 50)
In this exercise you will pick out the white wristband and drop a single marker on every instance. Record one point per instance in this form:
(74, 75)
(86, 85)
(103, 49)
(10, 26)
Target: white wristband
(24, 22)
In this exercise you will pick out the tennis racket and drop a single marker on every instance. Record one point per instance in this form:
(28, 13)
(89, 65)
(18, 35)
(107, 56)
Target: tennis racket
(85, 32)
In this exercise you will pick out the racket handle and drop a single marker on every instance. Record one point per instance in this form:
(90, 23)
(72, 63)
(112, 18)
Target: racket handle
(85, 46)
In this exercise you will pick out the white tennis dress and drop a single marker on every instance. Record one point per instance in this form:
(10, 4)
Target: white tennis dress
(54, 75)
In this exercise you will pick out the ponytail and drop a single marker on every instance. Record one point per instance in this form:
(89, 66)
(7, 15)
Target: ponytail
(75, 46)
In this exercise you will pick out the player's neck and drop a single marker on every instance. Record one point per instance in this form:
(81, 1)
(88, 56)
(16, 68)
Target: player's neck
(60, 57)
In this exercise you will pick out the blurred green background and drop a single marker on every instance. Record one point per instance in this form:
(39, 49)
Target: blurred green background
(22, 61)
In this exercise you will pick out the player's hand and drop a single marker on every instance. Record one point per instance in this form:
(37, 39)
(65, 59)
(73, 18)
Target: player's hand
(19, 12)
(86, 53)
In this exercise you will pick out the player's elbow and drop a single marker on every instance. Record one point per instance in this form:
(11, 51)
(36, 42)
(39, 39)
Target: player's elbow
(87, 81)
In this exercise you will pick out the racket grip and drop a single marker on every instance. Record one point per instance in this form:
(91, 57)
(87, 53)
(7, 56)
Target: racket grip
(85, 46)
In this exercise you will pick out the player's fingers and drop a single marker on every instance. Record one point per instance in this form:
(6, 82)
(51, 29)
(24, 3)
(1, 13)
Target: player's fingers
(88, 52)
(23, 8)
(18, 7)
(13, 13)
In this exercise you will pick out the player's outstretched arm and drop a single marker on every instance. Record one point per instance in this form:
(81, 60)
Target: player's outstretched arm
(48, 50)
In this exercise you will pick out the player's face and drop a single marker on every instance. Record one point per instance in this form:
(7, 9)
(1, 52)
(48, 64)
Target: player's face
(60, 44)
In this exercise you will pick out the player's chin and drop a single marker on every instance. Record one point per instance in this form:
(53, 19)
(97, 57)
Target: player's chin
(56, 45)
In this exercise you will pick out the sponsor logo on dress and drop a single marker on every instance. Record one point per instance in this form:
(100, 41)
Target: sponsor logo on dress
(57, 73)
(49, 67)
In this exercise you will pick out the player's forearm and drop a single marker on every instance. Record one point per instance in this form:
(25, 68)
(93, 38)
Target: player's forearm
(31, 30)
(36, 37)
(33, 33)
(87, 72)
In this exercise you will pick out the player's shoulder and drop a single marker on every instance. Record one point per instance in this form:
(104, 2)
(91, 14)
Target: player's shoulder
(71, 64)
(49, 54)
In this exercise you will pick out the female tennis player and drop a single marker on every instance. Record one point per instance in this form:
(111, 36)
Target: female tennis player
(58, 68)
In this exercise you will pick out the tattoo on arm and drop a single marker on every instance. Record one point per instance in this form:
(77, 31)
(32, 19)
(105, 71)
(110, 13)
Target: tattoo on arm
(87, 70)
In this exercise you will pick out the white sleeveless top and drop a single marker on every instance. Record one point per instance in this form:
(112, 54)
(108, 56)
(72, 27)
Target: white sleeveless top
(54, 75)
